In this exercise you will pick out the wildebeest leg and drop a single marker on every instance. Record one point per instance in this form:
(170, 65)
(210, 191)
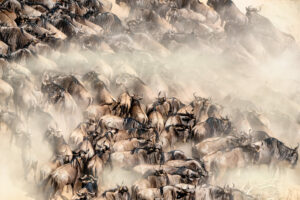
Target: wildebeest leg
(11, 139)
(61, 195)
(72, 188)
(221, 175)
(68, 188)
(75, 186)
(59, 190)
(215, 172)
(282, 171)
(45, 188)
(26, 167)
(34, 167)
(274, 169)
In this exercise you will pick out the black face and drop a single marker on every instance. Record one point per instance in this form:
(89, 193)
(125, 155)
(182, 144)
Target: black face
(227, 126)
(211, 3)
(123, 190)
(56, 96)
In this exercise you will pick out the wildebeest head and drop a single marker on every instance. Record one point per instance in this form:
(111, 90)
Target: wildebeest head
(13, 6)
(53, 135)
(294, 156)
(77, 161)
(124, 191)
(197, 98)
(182, 132)
(161, 98)
(136, 98)
(220, 193)
(227, 126)
(271, 148)
(220, 126)
(54, 92)
(251, 9)
(102, 149)
(121, 192)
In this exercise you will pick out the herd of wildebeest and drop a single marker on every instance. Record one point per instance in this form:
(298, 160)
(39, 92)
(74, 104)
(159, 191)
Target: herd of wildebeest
(98, 113)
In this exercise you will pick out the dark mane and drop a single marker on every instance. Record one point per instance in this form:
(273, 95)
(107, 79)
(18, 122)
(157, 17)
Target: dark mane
(75, 80)
(131, 123)
(276, 145)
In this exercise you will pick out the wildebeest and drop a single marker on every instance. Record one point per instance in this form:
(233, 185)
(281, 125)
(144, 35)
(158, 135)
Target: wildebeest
(78, 135)
(129, 145)
(100, 91)
(58, 44)
(209, 192)
(258, 122)
(108, 21)
(192, 164)
(74, 87)
(59, 97)
(16, 38)
(121, 192)
(95, 112)
(211, 127)
(211, 145)
(136, 110)
(272, 152)
(96, 165)
(123, 105)
(220, 162)
(61, 149)
(200, 108)
(46, 170)
(110, 122)
(14, 124)
(6, 92)
(148, 154)
(26, 97)
(228, 11)
(29, 159)
(264, 29)
(136, 86)
(153, 179)
(67, 174)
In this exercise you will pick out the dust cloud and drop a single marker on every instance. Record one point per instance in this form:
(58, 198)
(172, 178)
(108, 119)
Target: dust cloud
(270, 83)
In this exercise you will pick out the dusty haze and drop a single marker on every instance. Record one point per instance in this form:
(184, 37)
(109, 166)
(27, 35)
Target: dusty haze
(272, 84)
